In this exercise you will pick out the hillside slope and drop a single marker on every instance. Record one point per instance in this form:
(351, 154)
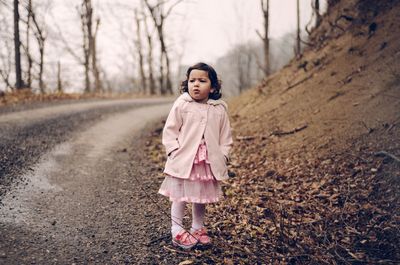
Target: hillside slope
(315, 177)
(347, 87)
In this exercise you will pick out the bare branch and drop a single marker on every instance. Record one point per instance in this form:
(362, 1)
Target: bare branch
(259, 35)
(66, 45)
(172, 7)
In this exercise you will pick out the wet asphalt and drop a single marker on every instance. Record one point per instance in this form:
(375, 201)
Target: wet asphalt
(70, 186)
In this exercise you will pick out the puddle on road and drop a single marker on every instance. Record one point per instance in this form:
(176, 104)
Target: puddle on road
(15, 206)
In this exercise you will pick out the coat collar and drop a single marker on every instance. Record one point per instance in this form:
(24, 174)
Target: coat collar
(186, 97)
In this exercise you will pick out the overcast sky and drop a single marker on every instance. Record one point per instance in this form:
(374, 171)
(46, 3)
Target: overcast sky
(214, 26)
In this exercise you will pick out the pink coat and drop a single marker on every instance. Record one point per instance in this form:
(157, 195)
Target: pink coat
(186, 124)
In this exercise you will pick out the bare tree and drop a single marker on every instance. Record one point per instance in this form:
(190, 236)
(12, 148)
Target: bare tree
(6, 50)
(265, 38)
(93, 50)
(139, 49)
(151, 84)
(86, 19)
(159, 16)
(89, 46)
(25, 44)
(40, 37)
(59, 80)
(298, 39)
(27, 48)
(19, 84)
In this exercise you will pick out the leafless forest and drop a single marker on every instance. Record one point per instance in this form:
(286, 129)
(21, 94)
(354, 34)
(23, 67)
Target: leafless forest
(42, 52)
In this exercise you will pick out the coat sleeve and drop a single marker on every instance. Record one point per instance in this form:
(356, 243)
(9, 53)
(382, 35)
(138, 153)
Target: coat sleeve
(225, 135)
(171, 129)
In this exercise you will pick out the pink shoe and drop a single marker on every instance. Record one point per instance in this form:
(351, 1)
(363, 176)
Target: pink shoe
(201, 236)
(184, 240)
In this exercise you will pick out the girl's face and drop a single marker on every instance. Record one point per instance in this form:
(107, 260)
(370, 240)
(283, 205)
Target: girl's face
(199, 85)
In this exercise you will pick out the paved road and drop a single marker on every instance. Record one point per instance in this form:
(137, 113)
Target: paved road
(68, 195)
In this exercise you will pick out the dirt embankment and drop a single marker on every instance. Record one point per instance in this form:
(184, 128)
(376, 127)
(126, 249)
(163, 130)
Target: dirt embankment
(315, 178)
(309, 155)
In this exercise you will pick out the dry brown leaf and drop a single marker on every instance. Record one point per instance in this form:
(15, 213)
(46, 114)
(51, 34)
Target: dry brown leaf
(186, 262)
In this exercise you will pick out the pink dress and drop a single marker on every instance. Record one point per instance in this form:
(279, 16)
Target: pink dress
(201, 187)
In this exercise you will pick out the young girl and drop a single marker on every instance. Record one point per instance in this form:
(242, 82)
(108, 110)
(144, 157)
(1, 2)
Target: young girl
(197, 139)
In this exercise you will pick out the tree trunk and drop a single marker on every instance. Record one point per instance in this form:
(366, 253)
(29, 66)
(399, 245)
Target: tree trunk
(41, 39)
(41, 69)
(152, 83)
(298, 51)
(161, 77)
(265, 39)
(89, 47)
(89, 19)
(30, 61)
(85, 44)
(161, 67)
(96, 73)
(59, 81)
(248, 69)
(168, 86)
(86, 55)
(19, 84)
(140, 54)
(164, 58)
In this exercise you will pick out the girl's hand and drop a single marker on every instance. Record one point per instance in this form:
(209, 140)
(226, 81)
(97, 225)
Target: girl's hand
(226, 159)
(172, 154)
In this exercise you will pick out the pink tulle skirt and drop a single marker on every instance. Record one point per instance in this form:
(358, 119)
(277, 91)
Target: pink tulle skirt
(201, 187)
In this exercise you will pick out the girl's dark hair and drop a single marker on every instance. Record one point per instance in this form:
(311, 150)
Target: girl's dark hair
(212, 74)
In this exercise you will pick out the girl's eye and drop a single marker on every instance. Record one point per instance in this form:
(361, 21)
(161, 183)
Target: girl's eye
(191, 80)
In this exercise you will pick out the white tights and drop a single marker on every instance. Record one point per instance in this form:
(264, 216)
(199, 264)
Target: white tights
(177, 212)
